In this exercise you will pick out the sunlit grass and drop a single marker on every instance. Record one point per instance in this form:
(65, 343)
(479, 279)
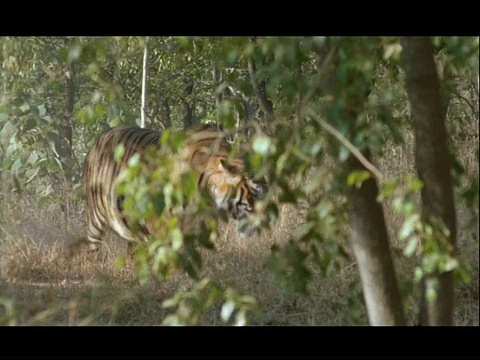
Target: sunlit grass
(41, 285)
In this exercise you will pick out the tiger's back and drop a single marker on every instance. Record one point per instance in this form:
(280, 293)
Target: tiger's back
(205, 151)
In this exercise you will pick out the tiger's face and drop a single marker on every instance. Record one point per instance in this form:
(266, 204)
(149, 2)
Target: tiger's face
(235, 192)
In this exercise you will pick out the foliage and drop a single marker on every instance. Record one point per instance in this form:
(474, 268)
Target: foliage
(207, 79)
(428, 237)
(190, 306)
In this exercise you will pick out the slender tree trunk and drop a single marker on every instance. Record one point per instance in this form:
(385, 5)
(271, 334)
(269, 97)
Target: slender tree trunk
(143, 115)
(161, 111)
(218, 80)
(165, 117)
(369, 236)
(66, 136)
(66, 128)
(188, 106)
(433, 166)
(259, 87)
(370, 245)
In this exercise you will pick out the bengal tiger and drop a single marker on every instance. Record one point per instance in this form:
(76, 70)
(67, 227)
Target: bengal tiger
(205, 151)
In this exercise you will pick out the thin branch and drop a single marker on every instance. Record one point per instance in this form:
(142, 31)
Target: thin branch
(345, 142)
(469, 103)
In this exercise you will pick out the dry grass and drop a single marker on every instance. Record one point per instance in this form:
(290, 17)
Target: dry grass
(39, 285)
(47, 287)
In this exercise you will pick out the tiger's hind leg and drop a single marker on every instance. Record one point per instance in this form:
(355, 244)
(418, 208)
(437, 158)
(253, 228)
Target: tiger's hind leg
(96, 229)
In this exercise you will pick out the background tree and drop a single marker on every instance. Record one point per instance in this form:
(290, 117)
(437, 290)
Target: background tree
(369, 237)
(434, 169)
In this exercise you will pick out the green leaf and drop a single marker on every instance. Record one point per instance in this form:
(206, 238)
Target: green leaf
(358, 177)
(158, 202)
(177, 239)
(408, 227)
(450, 264)
(262, 144)
(118, 153)
(227, 310)
(287, 196)
(418, 274)
(387, 190)
(24, 107)
(134, 160)
(343, 153)
(16, 165)
(31, 123)
(53, 137)
(302, 230)
(411, 246)
(74, 53)
(226, 114)
(174, 301)
(272, 210)
(60, 150)
(99, 110)
(432, 290)
(392, 51)
(416, 185)
(120, 262)
(241, 318)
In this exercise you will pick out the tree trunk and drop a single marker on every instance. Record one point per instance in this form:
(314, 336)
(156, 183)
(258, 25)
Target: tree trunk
(143, 112)
(260, 88)
(369, 236)
(188, 120)
(218, 80)
(433, 166)
(66, 137)
(165, 118)
(161, 111)
(66, 129)
(370, 245)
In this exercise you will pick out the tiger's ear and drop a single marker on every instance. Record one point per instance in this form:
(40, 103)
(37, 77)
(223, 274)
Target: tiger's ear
(258, 187)
(235, 167)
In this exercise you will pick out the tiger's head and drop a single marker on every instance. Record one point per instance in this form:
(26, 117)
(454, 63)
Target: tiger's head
(234, 191)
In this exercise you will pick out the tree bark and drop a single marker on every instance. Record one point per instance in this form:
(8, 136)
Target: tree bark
(369, 236)
(433, 166)
(370, 245)
(218, 80)
(188, 107)
(260, 88)
(66, 129)
(165, 117)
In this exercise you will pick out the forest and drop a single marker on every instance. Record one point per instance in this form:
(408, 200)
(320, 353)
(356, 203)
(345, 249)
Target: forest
(369, 146)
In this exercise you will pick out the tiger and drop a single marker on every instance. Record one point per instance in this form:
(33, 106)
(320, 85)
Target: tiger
(206, 151)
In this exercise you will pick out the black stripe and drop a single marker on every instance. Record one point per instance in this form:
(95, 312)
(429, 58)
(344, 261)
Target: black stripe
(206, 139)
(241, 196)
(200, 179)
(194, 153)
(127, 134)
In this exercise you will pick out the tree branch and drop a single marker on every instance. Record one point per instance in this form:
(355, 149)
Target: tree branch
(143, 114)
(345, 142)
